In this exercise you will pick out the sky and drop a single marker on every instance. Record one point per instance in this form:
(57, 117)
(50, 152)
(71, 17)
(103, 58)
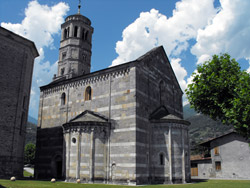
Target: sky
(190, 31)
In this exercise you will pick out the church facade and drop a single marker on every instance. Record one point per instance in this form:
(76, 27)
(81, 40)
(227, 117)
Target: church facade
(122, 124)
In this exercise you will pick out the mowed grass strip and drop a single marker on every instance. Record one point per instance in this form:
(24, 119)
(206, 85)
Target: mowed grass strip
(48, 184)
(27, 174)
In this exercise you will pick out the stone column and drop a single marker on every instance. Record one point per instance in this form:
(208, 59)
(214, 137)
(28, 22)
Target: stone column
(68, 146)
(170, 154)
(64, 154)
(183, 157)
(92, 156)
(78, 167)
(108, 167)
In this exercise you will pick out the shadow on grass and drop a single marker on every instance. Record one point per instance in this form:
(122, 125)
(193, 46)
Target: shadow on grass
(198, 180)
(2, 186)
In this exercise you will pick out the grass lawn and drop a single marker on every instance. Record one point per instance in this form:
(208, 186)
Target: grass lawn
(27, 174)
(48, 184)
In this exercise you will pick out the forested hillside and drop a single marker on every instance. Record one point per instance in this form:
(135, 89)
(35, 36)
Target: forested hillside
(202, 128)
(30, 133)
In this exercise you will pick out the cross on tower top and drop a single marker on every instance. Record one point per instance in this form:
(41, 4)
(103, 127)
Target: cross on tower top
(79, 6)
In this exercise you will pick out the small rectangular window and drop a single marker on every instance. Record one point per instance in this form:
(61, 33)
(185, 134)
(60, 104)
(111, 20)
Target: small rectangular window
(63, 55)
(216, 151)
(62, 71)
(217, 165)
(162, 159)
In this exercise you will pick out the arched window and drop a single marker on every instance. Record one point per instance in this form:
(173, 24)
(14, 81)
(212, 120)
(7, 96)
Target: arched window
(68, 30)
(75, 31)
(63, 99)
(161, 157)
(161, 91)
(65, 34)
(86, 35)
(62, 71)
(83, 33)
(88, 93)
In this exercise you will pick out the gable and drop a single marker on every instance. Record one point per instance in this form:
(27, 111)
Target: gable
(162, 115)
(156, 59)
(159, 113)
(89, 116)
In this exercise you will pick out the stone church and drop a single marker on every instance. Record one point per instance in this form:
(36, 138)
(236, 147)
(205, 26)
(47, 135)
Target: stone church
(120, 125)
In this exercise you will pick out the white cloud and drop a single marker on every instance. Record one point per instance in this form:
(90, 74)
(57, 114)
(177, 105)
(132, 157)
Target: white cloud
(153, 29)
(41, 22)
(248, 70)
(180, 72)
(43, 73)
(228, 32)
(203, 58)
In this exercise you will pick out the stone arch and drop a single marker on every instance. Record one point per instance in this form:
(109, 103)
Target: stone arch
(57, 166)
(83, 33)
(63, 99)
(86, 35)
(75, 31)
(65, 33)
(68, 32)
(88, 93)
(162, 157)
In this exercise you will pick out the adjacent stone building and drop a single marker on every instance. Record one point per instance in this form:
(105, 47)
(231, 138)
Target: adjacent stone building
(230, 158)
(17, 56)
(122, 124)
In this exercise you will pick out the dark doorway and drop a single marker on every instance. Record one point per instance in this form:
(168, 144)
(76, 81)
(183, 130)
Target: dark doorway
(56, 167)
(59, 169)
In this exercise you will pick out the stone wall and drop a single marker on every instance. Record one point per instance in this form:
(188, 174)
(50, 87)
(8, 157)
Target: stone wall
(16, 66)
(152, 70)
(234, 156)
(126, 95)
(49, 161)
(113, 95)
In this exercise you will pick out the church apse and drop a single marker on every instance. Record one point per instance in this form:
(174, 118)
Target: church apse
(86, 138)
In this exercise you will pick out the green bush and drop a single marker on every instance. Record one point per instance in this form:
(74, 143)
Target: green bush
(29, 153)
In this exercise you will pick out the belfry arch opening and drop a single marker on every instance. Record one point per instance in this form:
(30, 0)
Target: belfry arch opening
(75, 31)
(65, 33)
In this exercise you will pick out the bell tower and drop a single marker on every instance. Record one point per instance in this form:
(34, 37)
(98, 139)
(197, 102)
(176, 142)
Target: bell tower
(75, 46)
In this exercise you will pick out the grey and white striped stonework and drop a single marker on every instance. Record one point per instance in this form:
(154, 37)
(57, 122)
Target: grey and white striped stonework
(122, 124)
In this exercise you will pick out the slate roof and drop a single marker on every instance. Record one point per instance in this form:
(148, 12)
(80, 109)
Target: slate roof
(161, 114)
(89, 116)
(207, 143)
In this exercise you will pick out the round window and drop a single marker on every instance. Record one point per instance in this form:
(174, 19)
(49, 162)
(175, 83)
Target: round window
(74, 140)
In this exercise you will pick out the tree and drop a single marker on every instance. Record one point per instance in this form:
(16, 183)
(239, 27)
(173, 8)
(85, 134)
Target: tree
(222, 91)
(29, 153)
